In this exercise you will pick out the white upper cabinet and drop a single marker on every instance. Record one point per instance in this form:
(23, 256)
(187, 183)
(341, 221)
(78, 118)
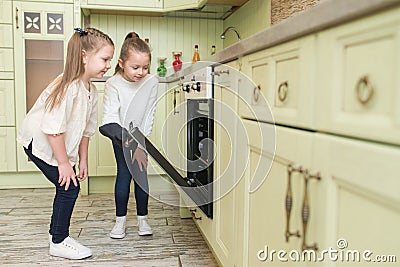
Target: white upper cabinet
(359, 79)
(170, 5)
(106, 4)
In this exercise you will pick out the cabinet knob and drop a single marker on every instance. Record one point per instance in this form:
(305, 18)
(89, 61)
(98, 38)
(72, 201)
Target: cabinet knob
(364, 90)
(256, 92)
(283, 91)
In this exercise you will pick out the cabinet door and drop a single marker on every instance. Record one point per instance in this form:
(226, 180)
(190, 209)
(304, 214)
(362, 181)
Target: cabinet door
(8, 162)
(228, 183)
(39, 49)
(359, 78)
(273, 223)
(7, 117)
(362, 197)
(157, 135)
(101, 150)
(175, 127)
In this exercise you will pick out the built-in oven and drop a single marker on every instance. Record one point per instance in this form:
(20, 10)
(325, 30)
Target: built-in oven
(200, 139)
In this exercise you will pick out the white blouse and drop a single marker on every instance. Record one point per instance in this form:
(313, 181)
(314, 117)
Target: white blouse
(75, 116)
(126, 102)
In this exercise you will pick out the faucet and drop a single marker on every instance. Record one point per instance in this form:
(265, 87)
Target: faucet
(230, 28)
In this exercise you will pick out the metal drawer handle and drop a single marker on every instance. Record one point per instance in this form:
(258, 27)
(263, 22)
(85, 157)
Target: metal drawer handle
(289, 202)
(305, 212)
(283, 91)
(256, 93)
(364, 90)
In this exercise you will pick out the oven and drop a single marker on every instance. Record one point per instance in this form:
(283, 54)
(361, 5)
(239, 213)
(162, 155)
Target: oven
(200, 154)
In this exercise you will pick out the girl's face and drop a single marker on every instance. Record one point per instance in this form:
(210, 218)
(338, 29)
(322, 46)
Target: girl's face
(135, 67)
(97, 63)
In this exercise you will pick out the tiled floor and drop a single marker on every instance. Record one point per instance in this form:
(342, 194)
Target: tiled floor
(24, 220)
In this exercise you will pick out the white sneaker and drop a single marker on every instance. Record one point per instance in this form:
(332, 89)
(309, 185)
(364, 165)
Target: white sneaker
(144, 227)
(119, 228)
(70, 249)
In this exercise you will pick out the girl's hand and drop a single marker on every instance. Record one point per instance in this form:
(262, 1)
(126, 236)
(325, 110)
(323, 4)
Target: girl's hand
(141, 158)
(83, 170)
(66, 174)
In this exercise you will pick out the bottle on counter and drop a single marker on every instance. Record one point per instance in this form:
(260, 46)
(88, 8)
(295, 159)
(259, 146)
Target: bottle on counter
(196, 55)
(162, 70)
(213, 49)
(177, 63)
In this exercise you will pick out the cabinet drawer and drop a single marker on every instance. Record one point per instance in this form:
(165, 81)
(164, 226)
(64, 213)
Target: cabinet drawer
(6, 35)
(6, 59)
(7, 103)
(360, 79)
(5, 12)
(255, 85)
(8, 159)
(283, 79)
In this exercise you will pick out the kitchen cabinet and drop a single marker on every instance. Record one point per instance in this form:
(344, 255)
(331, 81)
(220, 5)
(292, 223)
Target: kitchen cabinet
(182, 4)
(40, 34)
(225, 232)
(283, 83)
(8, 160)
(336, 149)
(174, 127)
(7, 109)
(150, 5)
(359, 73)
(362, 196)
(102, 161)
(276, 205)
(6, 11)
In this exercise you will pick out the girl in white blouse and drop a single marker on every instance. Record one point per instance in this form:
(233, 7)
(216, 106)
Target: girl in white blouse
(130, 96)
(57, 129)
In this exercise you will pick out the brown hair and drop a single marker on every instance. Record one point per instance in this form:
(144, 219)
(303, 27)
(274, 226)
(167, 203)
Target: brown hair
(132, 42)
(89, 40)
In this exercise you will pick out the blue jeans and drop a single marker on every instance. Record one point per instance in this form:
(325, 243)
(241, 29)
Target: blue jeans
(123, 182)
(64, 201)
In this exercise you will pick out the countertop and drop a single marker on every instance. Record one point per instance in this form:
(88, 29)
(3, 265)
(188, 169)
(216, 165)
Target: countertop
(328, 13)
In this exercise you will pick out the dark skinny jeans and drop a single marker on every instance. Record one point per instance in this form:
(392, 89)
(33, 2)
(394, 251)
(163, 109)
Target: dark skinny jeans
(64, 201)
(125, 171)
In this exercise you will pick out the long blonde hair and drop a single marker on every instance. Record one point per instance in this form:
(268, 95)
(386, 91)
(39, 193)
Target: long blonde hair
(132, 42)
(89, 40)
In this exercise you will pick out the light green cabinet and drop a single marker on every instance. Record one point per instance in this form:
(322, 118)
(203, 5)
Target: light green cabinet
(149, 5)
(7, 109)
(360, 77)
(282, 209)
(8, 161)
(41, 31)
(101, 153)
(283, 83)
(362, 198)
(170, 5)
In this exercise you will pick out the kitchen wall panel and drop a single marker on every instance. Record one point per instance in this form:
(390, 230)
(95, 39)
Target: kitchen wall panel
(165, 34)
(252, 17)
